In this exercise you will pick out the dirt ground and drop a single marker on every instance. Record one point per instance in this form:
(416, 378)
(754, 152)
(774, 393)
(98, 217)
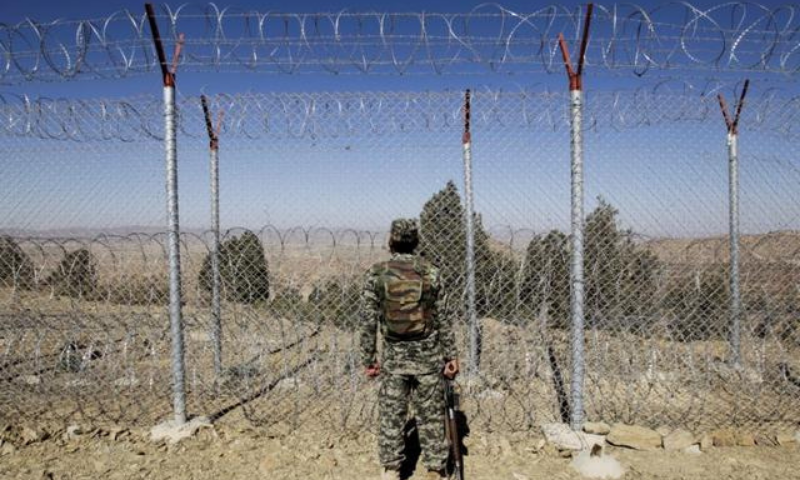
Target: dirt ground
(231, 453)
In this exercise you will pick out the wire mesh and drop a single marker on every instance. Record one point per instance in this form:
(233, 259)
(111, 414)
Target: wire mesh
(308, 186)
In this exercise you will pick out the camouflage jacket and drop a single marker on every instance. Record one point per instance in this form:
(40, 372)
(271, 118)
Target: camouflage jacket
(411, 357)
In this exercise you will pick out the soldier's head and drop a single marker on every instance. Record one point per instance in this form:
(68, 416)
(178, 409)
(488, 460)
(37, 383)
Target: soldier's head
(404, 236)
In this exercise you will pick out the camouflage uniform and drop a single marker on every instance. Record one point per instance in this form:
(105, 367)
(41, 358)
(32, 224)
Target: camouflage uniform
(411, 370)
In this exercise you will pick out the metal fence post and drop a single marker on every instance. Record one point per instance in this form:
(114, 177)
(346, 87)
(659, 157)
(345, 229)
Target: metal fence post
(577, 222)
(216, 316)
(472, 315)
(733, 223)
(173, 224)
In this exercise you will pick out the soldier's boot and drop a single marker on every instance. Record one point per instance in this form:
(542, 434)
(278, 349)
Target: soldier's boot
(435, 475)
(390, 474)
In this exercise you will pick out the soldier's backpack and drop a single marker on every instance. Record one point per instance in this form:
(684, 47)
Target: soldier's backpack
(407, 299)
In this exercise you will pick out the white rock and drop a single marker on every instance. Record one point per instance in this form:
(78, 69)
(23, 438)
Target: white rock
(663, 430)
(634, 436)
(564, 438)
(491, 394)
(73, 432)
(199, 336)
(679, 440)
(31, 379)
(289, 383)
(601, 466)
(693, 450)
(173, 433)
(32, 435)
(126, 382)
(7, 449)
(596, 428)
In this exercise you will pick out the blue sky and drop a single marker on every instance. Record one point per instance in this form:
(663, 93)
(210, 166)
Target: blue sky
(666, 180)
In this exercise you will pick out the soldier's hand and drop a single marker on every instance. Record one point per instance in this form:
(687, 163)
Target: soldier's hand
(451, 369)
(373, 370)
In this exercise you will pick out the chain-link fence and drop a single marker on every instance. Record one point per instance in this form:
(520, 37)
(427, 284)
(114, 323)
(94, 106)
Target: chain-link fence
(308, 184)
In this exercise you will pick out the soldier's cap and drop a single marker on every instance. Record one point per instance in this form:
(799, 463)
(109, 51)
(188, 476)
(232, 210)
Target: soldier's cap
(404, 230)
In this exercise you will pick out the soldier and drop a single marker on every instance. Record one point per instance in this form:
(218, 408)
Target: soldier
(403, 298)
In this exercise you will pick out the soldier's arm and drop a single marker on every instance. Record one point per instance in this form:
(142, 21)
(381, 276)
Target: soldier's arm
(443, 322)
(370, 317)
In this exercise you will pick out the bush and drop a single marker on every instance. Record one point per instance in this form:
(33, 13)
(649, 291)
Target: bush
(545, 281)
(443, 241)
(336, 302)
(16, 268)
(621, 277)
(287, 301)
(76, 275)
(699, 305)
(244, 273)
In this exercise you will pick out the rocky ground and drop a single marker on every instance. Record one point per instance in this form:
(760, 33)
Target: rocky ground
(229, 453)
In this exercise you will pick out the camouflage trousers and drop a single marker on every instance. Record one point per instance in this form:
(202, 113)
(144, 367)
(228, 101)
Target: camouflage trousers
(425, 393)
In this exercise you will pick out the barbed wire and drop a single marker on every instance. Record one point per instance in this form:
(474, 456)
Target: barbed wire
(734, 36)
(252, 116)
(98, 352)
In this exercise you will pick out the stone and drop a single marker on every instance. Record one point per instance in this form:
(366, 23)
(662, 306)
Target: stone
(785, 439)
(117, 432)
(561, 436)
(634, 436)
(7, 449)
(31, 379)
(663, 430)
(73, 432)
(744, 439)
(173, 433)
(724, 438)
(693, 450)
(678, 440)
(597, 466)
(198, 336)
(32, 435)
(765, 441)
(596, 428)
(706, 443)
(564, 438)
(126, 382)
(267, 464)
(289, 383)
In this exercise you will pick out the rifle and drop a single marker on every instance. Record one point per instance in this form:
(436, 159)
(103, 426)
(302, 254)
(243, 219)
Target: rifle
(451, 427)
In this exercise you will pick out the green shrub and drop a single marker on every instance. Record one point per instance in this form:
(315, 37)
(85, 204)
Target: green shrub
(621, 276)
(336, 302)
(244, 273)
(16, 268)
(545, 280)
(76, 275)
(443, 241)
(698, 305)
